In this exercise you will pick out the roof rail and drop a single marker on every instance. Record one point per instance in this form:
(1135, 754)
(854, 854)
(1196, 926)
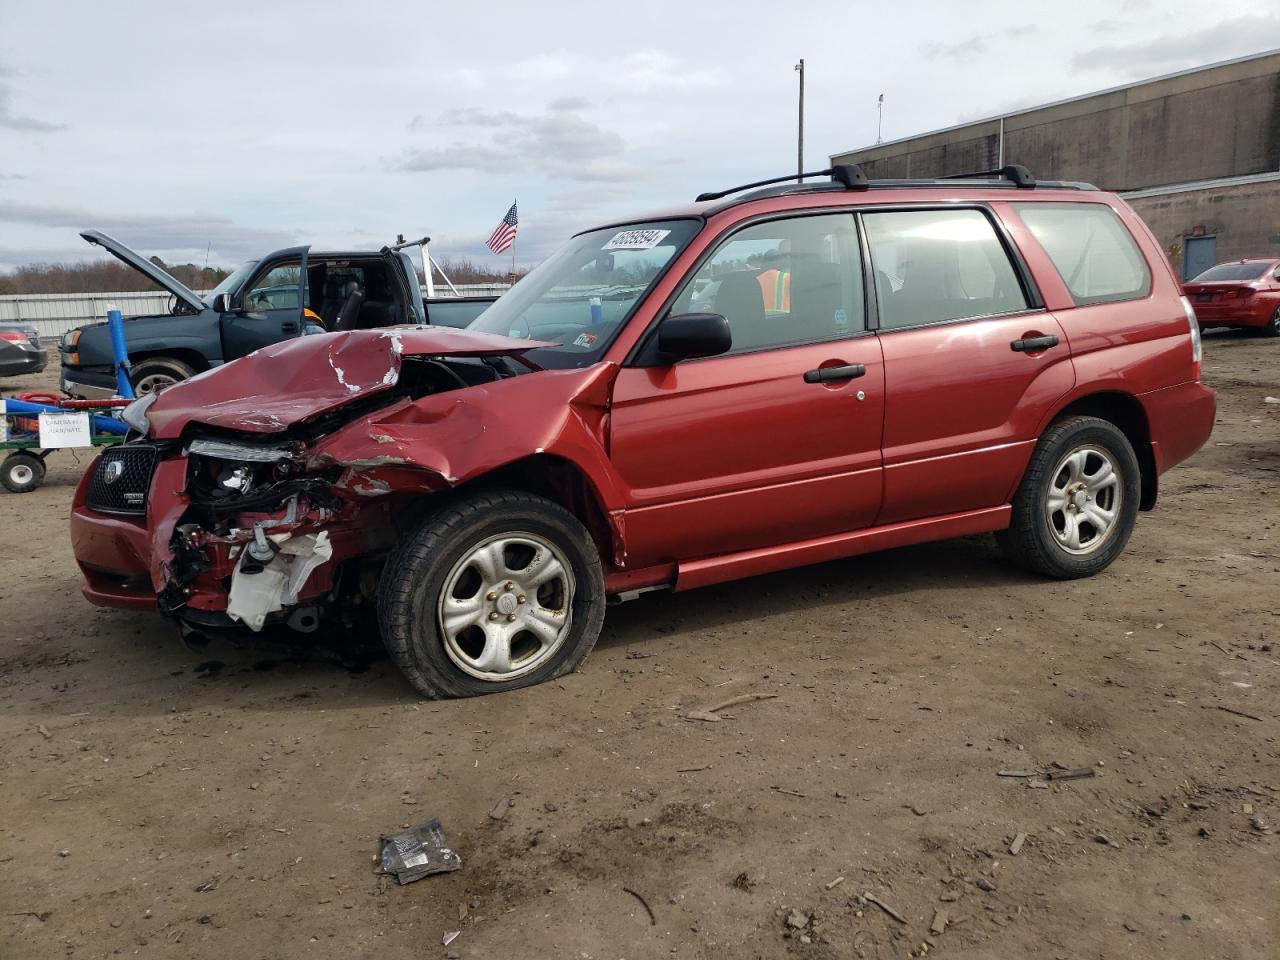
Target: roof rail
(1015, 173)
(849, 175)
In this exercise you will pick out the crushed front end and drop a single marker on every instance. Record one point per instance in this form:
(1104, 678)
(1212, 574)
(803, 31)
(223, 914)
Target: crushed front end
(271, 491)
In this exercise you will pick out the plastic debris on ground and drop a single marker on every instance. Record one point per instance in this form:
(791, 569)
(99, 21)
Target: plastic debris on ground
(417, 853)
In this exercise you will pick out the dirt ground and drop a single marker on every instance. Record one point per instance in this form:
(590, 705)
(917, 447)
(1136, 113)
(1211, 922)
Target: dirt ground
(227, 803)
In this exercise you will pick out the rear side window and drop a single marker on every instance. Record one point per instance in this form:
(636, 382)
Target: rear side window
(932, 266)
(1092, 250)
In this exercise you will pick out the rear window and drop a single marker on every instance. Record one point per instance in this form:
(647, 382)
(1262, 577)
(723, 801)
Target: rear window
(1091, 248)
(1232, 271)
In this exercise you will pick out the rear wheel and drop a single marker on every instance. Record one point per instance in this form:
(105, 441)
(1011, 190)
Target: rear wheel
(157, 372)
(496, 592)
(21, 472)
(1272, 329)
(1078, 501)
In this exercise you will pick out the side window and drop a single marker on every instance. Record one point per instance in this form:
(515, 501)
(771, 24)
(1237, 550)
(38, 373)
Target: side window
(1091, 249)
(937, 265)
(277, 289)
(783, 282)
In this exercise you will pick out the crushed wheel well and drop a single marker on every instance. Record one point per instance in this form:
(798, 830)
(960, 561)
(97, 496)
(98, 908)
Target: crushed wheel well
(545, 475)
(1126, 412)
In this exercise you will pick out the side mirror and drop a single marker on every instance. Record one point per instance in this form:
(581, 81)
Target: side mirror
(687, 336)
(222, 303)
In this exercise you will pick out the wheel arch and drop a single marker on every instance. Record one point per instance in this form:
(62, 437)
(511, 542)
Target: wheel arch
(555, 477)
(191, 357)
(1128, 414)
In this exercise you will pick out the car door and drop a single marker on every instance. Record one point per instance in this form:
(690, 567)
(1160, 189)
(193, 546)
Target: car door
(757, 447)
(972, 360)
(269, 307)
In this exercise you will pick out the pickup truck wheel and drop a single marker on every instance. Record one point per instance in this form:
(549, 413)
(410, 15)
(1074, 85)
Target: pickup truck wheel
(158, 372)
(1077, 503)
(21, 472)
(496, 592)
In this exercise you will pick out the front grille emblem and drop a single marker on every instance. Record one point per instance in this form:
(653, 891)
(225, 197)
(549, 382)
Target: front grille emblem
(114, 471)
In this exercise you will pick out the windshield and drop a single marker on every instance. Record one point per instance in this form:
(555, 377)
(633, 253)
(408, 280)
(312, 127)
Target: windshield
(584, 293)
(231, 282)
(1232, 271)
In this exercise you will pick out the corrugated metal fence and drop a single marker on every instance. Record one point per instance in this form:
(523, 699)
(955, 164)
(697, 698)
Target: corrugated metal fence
(55, 313)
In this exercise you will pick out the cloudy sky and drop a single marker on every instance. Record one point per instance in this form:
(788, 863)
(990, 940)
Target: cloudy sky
(243, 127)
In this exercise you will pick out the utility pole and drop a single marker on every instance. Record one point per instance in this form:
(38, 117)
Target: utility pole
(879, 117)
(800, 130)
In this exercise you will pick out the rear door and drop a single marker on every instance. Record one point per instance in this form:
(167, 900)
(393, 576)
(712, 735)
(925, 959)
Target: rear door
(743, 450)
(269, 307)
(972, 360)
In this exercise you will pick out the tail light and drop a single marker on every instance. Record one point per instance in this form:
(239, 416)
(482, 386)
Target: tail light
(13, 336)
(1243, 292)
(1196, 347)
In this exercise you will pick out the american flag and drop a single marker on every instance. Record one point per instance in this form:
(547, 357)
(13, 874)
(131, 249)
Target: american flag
(505, 233)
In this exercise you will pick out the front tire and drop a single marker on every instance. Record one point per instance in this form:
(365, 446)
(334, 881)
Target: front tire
(155, 372)
(1078, 501)
(496, 592)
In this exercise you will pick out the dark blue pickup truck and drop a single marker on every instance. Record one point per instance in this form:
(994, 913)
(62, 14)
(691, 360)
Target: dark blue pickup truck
(288, 293)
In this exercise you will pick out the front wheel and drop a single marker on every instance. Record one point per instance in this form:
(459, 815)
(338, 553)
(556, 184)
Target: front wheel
(496, 592)
(1078, 501)
(156, 372)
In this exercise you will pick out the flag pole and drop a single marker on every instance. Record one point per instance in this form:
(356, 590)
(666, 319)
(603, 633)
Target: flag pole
(513, 252)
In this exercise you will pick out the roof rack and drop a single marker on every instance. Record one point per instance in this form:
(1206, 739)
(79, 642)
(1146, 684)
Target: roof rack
(851, 177)
(848, 175)
(1015, 173)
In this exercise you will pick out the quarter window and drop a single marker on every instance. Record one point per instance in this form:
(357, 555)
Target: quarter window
(932, 266)
(783, 282)
(1091, 249)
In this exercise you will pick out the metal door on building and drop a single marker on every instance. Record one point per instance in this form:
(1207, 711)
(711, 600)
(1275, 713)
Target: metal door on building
(1198, 255)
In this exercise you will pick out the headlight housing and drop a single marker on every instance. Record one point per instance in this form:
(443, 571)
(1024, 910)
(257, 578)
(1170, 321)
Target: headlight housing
(135, 414)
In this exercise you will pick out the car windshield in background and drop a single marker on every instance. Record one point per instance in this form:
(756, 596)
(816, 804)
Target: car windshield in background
(1232, 271)
(584, 293)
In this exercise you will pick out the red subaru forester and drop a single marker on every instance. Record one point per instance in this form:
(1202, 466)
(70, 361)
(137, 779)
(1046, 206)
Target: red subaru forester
(775, 375)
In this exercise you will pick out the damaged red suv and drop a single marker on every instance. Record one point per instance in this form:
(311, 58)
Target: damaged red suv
(775, 375)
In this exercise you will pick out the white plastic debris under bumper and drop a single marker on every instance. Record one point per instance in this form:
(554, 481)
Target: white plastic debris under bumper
(255, 595)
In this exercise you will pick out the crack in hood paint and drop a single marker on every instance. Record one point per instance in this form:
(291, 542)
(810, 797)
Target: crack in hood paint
(286, 383)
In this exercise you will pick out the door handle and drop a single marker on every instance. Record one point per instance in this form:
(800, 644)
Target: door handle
(849, 371)
(289, 326)
(1034, 344)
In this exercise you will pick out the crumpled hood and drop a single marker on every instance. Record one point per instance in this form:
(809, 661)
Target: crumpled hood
(283, 384)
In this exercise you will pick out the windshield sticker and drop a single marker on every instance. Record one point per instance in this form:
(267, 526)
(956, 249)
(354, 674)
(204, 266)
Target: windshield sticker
(585, 340)
(635, 240)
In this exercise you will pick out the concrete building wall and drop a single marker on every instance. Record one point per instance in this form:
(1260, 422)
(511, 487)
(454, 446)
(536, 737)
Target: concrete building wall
(1243, 219)
(1220, 121)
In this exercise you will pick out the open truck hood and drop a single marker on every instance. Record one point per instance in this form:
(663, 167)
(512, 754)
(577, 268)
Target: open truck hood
(278, 386)
(144, 267)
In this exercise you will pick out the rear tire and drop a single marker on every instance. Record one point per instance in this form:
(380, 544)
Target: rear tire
(495, 592)
(1078, 501)
(21, 472)
(159, 372)
(1272, 329)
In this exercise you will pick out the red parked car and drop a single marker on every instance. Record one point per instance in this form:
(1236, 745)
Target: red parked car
(1245, 293)
(654, 408)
